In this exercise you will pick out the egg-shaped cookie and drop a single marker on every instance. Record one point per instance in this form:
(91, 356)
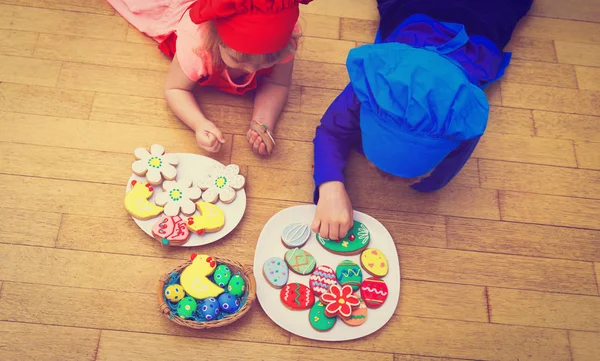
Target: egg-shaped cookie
(354, 242)
(276, 272)
(300, 261)
(349, 273)
(374, 291)
(229, 303)
(374, 262)
(222, 275)
(210, 309)
(236, 286)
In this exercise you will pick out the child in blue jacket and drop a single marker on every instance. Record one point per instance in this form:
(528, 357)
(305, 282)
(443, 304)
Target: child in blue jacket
(415, 105)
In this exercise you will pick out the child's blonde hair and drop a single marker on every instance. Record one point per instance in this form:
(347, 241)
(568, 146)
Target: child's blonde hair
(213, 41)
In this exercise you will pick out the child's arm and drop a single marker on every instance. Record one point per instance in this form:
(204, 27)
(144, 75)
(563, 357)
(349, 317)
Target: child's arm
(178, 93)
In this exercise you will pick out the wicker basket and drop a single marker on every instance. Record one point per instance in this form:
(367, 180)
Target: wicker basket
(235, 267)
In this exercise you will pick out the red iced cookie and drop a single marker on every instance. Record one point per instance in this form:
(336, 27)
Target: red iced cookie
(171, 231)
(374, 291)
(296, 296)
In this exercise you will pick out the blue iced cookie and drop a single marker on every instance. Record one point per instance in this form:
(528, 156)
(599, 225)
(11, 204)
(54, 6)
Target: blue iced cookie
(210, 309)
(276, 272)
(229, 303)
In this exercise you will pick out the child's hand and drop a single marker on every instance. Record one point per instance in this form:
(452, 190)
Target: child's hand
(209, 137)
(334, 216)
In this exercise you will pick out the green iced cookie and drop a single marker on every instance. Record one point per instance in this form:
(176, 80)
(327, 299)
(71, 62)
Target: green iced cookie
(349, 273)
(186, 307)
(354, 242)
(236, 286)
(317, 318)
(222, 275)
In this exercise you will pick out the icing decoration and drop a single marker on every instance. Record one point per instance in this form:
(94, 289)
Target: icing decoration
(295, 235)
(171, 231)
(178, 195)
(318, 319)
(296, 296)
(321, 279)
(356, 239)
(211, 219)
(358, 316)
(174, 293)
(222, 275)
(221, 183)
(300, 261)
(155, 165)
(276, 272)
(374, 262)
(236, 286)
(210, 309)
(229, 303)
(339, 301)
(374, 291)
(194, 278)
(349, 273)
(136, 201)
(186, 307)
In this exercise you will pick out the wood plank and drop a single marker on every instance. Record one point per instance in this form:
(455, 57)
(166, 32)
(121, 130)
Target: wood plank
(588, 78)
(566, 126)
(523, 239)
(549, 98)
(585, 10)
(317, 100)
(106, 309)
(597, 267)
(137, 346)
(494, 93)
(34, 229)
(398, 357)
(62, 22)
(578, 53)
(210, 95)
(585, 346)
(135, 36)
(291, 185)
(314, 74)
(21, 341)
(289, 155)
(84, 6)
(17, 43)
(527, 149)
(324, 50)
(532, 49)
(459, 339)
(551, 210)
(519, 307)
(319, 26)
(22, 70)
(510, 121)
(588, 155)
(45, 101)
(344, 8)
(358, 30)
(541, 73)
(100, 52)
(558, 29)
(535, 179)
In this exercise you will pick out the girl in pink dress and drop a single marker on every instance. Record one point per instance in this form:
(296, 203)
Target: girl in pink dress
(233, 45)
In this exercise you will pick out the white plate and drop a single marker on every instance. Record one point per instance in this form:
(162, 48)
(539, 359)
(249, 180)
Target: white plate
(269, 245)
(194, 166)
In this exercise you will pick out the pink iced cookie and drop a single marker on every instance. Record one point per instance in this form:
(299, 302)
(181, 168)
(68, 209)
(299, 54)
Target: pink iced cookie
(171, 231)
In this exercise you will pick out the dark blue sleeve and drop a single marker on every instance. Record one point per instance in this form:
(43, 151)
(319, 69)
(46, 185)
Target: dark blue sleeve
(448, 168)
(338, 133)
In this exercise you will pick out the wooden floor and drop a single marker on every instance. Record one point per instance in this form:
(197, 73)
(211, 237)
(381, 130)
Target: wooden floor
(502, 264)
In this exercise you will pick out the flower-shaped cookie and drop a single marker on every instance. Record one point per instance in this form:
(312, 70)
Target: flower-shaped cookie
(340, 301)
(155, 165)
(178, 194)
(221, 183)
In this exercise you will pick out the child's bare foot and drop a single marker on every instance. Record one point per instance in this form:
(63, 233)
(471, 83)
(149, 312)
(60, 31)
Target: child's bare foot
(260, 139)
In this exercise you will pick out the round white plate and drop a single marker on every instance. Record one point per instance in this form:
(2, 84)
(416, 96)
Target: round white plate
(269, 245)
(194, 166)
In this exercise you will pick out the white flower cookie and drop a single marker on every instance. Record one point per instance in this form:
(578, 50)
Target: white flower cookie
(178, 195)
(155, 165)
(221, 183)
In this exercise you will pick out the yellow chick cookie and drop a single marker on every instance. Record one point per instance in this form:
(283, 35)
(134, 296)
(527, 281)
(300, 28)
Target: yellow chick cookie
(194, 278)
(136, 201)
(211, 219)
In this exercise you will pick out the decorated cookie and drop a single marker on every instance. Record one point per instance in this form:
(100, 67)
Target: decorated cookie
(221, 183)
(321, 279)
(295, 235)
(186, 307)
(374, 291)
(194, 278)
(317, 318)
(276, 272)
(339, 301)
(174, 293)
(349, 273)
(222, 275)
(178, 195)
(211, 219)
(296, 296)
(354, 242)
(300, 261)
(374, 262)
(210, 309)
(236, 286)
(155, 165)
(136, 201)
(229, 303)
(171, 231)
(358, 316)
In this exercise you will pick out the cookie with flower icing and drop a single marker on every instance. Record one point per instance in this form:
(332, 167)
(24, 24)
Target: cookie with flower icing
(155, 165)
(222, 182)
(178, 195)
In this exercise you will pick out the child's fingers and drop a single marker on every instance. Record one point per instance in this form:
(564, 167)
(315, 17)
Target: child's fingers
(316, 224)
(216, 132)
(334, 231)
(256, 144)
(324, 230)
(262, 149)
